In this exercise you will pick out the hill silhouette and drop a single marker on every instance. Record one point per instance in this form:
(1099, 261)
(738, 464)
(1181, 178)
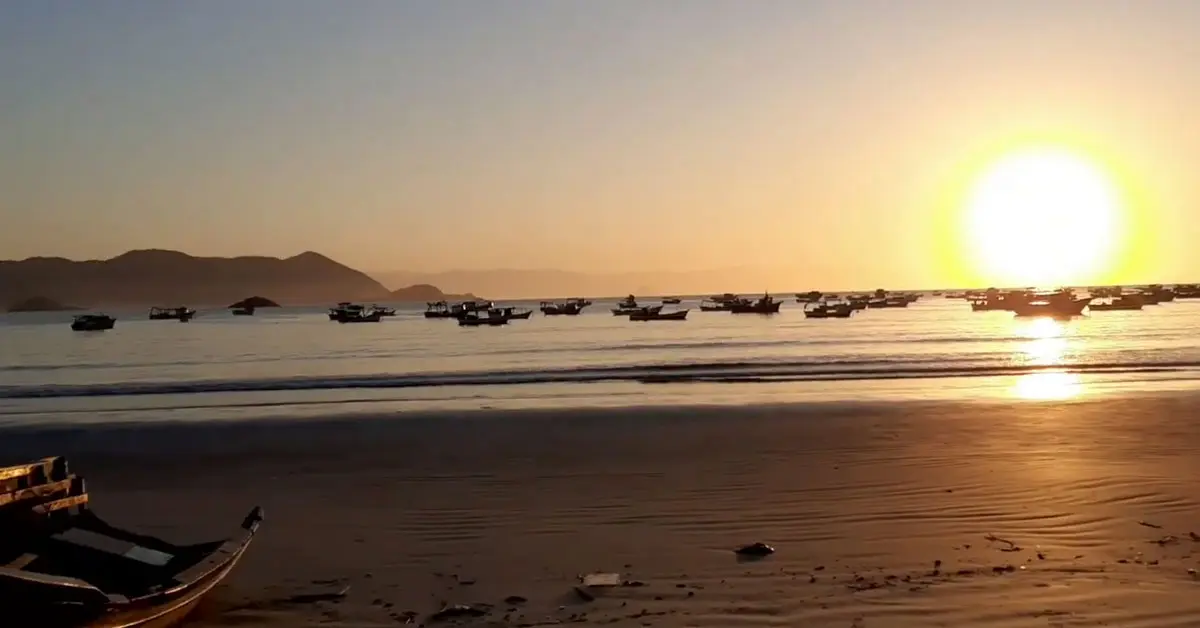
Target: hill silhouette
(40, 304)
(428, 293)
(155, 277)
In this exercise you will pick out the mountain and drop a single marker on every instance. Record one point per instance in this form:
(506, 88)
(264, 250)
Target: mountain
(159, 277)
(428, 294)
(508, 284)
(40, 304)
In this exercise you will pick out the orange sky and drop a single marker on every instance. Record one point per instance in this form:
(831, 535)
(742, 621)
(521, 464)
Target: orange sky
(829, 142)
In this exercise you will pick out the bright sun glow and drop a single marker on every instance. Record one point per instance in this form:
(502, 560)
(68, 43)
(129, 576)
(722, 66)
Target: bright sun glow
(1043, 217)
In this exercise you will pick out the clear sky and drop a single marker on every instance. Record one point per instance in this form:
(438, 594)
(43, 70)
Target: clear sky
(828, 140)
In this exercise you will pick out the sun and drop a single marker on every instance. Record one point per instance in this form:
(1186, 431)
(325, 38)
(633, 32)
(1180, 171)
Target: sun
(1043, 217)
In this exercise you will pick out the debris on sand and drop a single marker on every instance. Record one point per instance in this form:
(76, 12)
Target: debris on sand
(313, 598)
(1150, 525)
(454, 611)
(755, 549)
(601, 579)
(1012, 547)
(515, 599)
(1169, 539)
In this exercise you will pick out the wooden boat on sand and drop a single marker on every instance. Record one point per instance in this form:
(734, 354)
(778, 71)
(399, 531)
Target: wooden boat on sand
(62, 566)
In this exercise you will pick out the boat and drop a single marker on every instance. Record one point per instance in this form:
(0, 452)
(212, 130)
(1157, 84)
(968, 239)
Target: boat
(352, 313)
(344, 308)
(579, 302)
(439, 309)
(491, 318)
(383, 311)
(628, 306)
(69, 568)
(898, 301)
(876, 304)
(723, 304)
(1187, 291)
(510, 313)
(570, 308)
(671, 301)
(245, 310)
(829, 310)
(764, 305)
(1161, 294)
(93, 322)
(628, 311)
(181, 314)
(653, 314)
(1122, 302)
(1056, 304)
(812, 296)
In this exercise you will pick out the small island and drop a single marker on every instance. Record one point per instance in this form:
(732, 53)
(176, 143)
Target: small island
(253, 303)
(427, 293)
(41, 304)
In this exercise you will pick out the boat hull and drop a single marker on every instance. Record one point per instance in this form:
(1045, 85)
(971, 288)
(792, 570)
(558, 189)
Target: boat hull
(769, 308)
(1060, 309)
(658, 316)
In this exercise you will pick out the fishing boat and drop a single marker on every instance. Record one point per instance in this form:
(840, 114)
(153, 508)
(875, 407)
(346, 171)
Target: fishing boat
(511, 313)
(652, 314)
(829, 310)
(1122, 302)
(671, 301)
(877, 304)
(181, 314)
(570, 308)
(628, 306)
(384, 311)
(439, 309)
(629, 311)
(352, 313)
(69, 568)
(898, 301)
(245, 310)
(93, 322)
(490, 318)
(1056, 304)
(766, 304)
(1187, 291)
(812, 296)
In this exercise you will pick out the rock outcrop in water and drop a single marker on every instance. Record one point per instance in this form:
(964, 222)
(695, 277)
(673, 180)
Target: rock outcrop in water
(428, 293)
(151, 277)
(253, 303)
(40, 304)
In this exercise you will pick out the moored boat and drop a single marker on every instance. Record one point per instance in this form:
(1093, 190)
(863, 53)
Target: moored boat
(383, 311)
(181, 314)
(656, 314)
(93, 322)
(812, 296)
(353, 313)
(490, 318)
(67, 567)
(511, 313)
(569, 308)
(1122, 302)
(628, 306)
(766, 304)
(671, 300)
(829, 310)
(245, 310)
(1056, 304)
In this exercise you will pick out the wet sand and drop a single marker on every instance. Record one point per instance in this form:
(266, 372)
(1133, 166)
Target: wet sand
(1041, 514)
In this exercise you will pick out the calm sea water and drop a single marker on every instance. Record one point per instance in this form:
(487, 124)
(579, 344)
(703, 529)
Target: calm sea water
(295, 362)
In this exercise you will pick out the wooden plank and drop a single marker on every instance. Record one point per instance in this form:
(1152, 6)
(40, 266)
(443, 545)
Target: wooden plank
(38, 494)
(31, 474)
(22, 561)
(60, 504)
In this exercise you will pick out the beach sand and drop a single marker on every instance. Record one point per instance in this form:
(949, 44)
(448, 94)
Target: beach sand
(1041, 514)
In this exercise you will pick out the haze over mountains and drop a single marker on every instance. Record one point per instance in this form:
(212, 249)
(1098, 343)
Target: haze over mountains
(535, 283)
(160, 277)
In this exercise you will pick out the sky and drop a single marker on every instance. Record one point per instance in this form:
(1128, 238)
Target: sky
(829, 141)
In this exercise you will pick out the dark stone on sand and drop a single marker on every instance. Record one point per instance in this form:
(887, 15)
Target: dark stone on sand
(515, 599)
(755, 549)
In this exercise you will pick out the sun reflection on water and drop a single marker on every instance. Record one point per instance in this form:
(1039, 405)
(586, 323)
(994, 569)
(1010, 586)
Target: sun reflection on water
(1046, 346)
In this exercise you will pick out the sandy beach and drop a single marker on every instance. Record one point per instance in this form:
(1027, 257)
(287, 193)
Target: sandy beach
(949, 514)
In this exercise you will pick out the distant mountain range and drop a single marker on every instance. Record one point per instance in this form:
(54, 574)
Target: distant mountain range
(168, 278)
(497, 284)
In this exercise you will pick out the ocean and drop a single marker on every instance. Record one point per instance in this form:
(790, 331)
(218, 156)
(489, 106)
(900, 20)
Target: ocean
(294, 362)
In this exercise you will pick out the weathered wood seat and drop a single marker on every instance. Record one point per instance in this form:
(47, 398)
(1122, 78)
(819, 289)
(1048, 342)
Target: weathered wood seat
(43, 471)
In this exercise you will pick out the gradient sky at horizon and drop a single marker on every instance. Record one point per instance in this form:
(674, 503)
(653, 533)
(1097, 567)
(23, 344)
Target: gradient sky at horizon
(821, 139)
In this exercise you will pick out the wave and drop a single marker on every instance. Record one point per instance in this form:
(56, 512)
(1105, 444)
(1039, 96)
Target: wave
(711, 372)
